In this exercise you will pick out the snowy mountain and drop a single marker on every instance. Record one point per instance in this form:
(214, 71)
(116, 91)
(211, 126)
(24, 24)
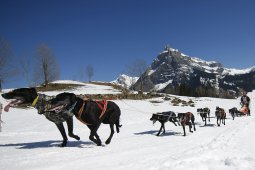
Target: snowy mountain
(29, 141)
(172, 68)
(125, 81)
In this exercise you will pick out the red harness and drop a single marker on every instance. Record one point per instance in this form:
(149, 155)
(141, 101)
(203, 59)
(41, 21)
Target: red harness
(103, 106)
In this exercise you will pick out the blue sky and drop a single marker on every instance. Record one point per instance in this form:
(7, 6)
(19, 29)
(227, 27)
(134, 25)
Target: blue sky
(111, 34)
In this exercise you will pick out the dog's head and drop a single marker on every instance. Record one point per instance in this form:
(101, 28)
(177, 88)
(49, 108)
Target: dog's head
(199, 110)
(20, 96)
(218, 108)
(206, 109)
(154, 118)
(63, 99)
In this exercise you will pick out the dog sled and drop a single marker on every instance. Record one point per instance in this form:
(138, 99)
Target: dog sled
(244, 111)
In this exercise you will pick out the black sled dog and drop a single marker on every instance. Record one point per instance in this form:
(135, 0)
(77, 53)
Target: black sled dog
(91, 113)
(234, 112)
(29, 96)
(163, 118)
(204, 113)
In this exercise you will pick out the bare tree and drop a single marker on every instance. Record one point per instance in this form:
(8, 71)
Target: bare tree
(136, 69)
(89, 72)
(6, 70)
(47, 69)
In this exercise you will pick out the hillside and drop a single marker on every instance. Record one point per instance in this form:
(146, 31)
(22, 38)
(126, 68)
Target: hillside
(29, 141)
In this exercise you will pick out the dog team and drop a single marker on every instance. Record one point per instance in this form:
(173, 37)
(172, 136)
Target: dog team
(64, 106)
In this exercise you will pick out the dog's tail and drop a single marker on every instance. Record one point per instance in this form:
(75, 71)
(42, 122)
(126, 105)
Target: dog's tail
(118, 126)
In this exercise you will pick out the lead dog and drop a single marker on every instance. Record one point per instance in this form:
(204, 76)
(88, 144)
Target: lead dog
(29, 96)
(91, 113)
(163, 118)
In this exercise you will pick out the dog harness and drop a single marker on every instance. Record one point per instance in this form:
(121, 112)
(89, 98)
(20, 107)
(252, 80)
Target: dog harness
(80, 113)
(101, 104)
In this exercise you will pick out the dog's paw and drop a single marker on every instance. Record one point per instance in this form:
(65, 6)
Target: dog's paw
(107, 141)
(74, 136)
(77, 137)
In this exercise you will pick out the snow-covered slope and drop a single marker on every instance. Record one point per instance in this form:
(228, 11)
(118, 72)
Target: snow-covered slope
(28, 141)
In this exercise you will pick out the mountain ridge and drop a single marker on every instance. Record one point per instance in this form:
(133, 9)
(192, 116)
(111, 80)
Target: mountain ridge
(173, 69)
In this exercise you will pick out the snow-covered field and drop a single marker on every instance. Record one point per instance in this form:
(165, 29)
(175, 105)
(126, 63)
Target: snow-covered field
(29, 141)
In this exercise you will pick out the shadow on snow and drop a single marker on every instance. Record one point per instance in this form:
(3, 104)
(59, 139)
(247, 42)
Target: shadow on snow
(154, 132)
(46, 144)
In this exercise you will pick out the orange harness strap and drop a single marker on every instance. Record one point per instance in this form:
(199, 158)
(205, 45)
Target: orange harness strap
(80, 113)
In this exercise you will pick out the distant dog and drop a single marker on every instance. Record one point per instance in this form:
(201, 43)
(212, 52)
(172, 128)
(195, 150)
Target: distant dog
(163, 118)
(204, 113)
(234, 112)
(91, 113)
(187, 119)
(220, 114)
(56, 115)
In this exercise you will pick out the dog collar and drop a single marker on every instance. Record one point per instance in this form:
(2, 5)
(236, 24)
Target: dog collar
(35, 101)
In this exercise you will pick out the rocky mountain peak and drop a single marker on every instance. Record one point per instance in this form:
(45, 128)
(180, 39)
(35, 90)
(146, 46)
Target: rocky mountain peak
(171, 68)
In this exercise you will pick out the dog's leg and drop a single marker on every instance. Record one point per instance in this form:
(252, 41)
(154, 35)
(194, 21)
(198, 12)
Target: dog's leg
(233, 114)
(193, 122)
(164, 130)
(190, 127)
(61, 128)
(183, 126)
(99, 142)
(160, 129)
(91, 136)
(69, 123)
(111, 135)
(174, 123)
(93, 133)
